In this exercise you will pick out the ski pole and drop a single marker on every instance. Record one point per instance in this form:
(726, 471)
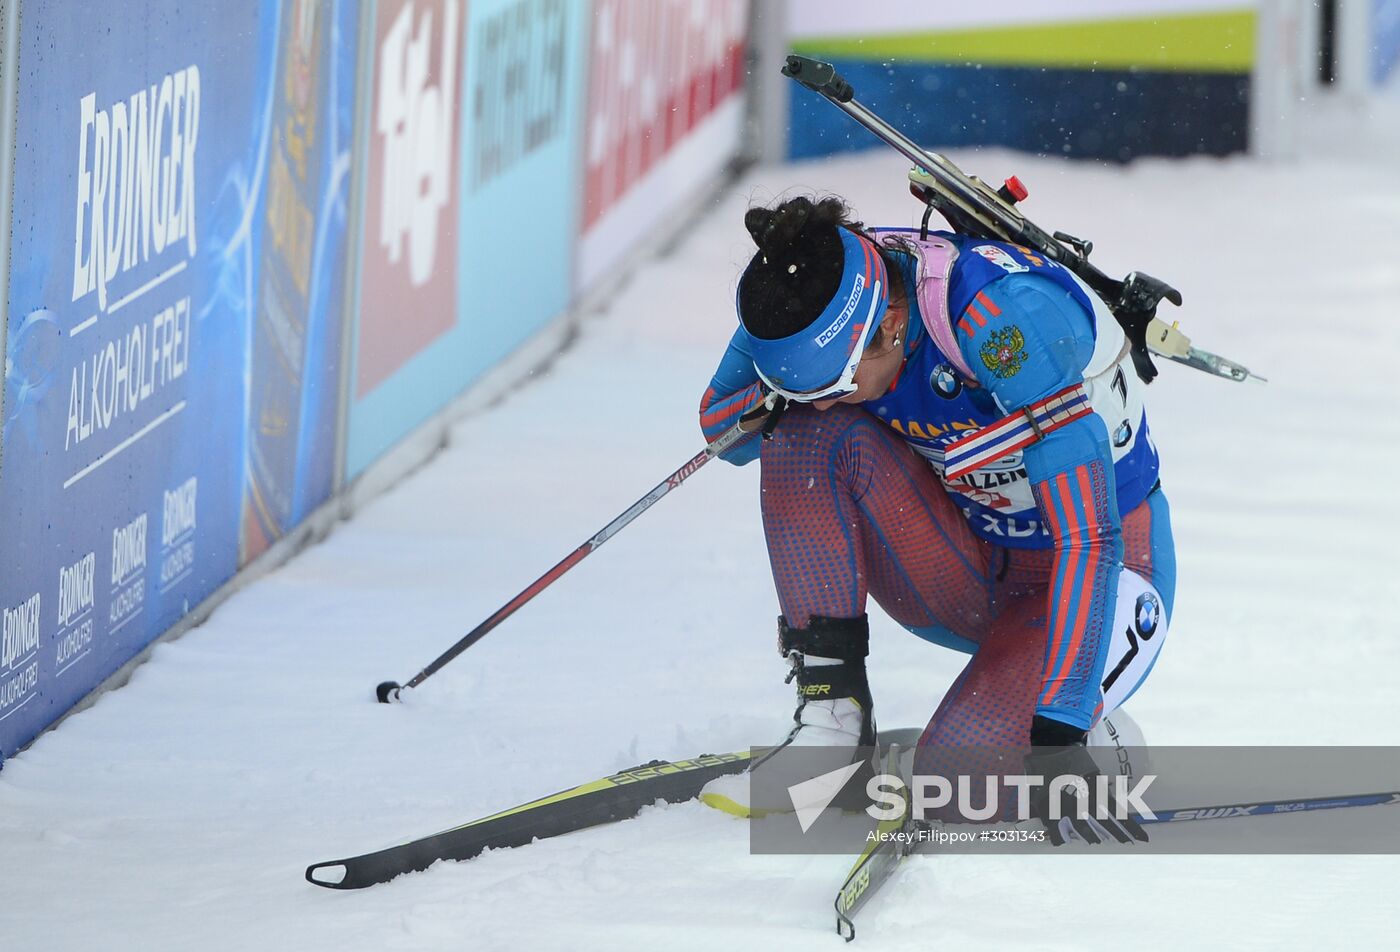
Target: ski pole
(391, 690)
(1267, 807)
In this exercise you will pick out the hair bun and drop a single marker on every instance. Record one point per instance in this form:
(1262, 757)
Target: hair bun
(757, 221)
(779, 229)
(797, 267)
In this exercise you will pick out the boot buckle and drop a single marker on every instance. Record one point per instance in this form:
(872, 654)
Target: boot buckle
(796, 659)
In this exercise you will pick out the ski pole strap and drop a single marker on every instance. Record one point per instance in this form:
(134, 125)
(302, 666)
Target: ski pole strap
(1015, 432)
(779, 407)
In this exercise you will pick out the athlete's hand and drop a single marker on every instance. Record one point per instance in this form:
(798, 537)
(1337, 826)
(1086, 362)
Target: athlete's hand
(757, 416)
(1093, 814)
(754, 417)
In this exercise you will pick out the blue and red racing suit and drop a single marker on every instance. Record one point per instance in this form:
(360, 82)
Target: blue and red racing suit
(1052, 566)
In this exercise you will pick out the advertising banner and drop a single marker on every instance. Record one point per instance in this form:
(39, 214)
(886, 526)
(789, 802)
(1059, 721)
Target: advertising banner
(125, 357)
(407, 288)
(176, 307)
(665, 114)
(808, 19)
(520, 172)
(470, 199)
(407, 284)
(1109, 79)
(297, 328)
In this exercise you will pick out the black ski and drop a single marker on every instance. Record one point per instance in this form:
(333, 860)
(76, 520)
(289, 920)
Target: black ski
(893, 841)
(619, 796)
(874, 867)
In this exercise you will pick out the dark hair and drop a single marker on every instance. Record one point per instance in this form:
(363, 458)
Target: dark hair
(797, 268)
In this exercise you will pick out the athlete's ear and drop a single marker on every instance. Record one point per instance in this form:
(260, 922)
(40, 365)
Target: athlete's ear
(883, 339)
(896, 326)
(887, 338)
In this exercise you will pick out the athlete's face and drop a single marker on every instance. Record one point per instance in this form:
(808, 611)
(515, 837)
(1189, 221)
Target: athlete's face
(881, 362)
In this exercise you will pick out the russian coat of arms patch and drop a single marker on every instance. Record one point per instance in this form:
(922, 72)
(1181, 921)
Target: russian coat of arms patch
(1003, 354)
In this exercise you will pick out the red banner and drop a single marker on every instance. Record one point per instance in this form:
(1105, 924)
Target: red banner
(658, 69)
(408, 286)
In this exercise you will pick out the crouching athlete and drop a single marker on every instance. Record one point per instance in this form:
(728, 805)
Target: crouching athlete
(965, 441)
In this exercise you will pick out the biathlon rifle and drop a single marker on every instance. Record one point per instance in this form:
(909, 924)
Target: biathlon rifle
(974, 208)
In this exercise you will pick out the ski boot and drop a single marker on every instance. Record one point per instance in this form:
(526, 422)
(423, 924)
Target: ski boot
(834, 710)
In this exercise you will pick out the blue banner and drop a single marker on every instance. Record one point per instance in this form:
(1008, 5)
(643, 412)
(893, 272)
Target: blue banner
(297, 331)
(138, 167)
(1045, 110)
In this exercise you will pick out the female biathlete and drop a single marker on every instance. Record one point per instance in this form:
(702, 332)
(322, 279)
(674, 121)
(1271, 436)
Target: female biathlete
(964, 439)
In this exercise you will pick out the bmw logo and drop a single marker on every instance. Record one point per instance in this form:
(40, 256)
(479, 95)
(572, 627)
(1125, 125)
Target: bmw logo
(1147, 615)
(944, 382)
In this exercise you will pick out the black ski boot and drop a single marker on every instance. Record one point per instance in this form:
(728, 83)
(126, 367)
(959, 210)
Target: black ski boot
(834, 709)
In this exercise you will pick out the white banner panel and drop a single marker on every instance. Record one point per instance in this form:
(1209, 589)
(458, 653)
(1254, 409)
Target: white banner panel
(809, 18)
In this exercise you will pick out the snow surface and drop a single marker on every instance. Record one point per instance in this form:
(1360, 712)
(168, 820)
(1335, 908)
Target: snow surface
(179, 812)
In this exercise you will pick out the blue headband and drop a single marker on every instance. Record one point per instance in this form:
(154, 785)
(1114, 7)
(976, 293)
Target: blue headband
(816, 356)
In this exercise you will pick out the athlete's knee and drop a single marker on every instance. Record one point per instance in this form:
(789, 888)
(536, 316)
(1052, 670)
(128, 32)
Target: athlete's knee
(814, 449)
(804, 430)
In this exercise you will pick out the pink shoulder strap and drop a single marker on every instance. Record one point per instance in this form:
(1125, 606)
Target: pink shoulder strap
(936, 257)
